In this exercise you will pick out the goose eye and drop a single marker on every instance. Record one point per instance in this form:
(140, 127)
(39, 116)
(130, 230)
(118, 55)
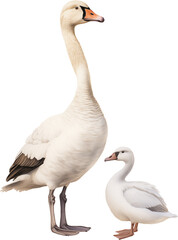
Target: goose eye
(76, 8)
(122, 152)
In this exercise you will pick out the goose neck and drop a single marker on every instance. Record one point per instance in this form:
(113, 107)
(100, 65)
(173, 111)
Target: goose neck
(122, 174)
(77, 59)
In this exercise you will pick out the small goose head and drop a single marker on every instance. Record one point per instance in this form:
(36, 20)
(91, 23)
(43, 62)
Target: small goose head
(121, 154)
(77, 12)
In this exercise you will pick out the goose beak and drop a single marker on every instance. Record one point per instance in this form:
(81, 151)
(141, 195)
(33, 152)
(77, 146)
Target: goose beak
(112, 157)
(89, 15)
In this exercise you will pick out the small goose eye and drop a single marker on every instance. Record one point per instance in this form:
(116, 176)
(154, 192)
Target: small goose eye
(76, 8)
(123, 152)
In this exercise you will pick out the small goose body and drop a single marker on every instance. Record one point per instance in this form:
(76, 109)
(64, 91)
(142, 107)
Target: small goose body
(137, 202)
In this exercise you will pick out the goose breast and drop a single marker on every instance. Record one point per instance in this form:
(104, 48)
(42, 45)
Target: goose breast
(73, 153)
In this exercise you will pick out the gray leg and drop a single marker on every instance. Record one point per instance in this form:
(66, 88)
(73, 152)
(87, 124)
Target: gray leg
(54, 227)
(63, 221)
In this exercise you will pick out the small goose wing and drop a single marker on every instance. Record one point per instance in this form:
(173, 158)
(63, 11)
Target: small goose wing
(143, 195)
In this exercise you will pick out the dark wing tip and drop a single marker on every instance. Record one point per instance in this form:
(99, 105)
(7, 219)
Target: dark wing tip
(23, 165)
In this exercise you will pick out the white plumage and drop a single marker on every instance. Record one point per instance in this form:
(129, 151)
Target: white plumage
(67, 145)
(70, 142)
(137, 202)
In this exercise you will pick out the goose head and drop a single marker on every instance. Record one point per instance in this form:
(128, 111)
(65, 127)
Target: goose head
(77, 12)
(122, 154)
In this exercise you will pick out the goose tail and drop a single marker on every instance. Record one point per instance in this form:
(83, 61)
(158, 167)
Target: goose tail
(15, 185)
(20, 185)
(170, 215)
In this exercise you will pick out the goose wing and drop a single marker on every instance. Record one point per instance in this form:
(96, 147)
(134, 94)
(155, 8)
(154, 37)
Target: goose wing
(144, 195)
(23, 165)
(37, 143)
(33, 153)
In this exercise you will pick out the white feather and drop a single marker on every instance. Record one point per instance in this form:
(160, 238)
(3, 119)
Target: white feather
(142, 198)
(37, 143)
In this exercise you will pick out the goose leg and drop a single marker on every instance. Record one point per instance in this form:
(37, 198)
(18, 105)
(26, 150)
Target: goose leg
(125, 233)
(54, 227)
(136, 227)
(63, 221)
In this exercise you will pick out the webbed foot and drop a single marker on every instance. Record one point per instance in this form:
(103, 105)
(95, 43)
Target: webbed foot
(124, 234)
(64, 232)
(76, 228)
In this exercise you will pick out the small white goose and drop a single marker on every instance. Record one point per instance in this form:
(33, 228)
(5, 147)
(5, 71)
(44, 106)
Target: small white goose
(137, 202)
(64, 147)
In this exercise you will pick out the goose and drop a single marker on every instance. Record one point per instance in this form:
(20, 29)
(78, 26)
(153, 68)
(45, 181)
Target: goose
(137, 202)
(64, 147)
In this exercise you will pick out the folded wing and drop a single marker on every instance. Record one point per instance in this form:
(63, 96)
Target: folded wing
(33, 153)
(143, 195)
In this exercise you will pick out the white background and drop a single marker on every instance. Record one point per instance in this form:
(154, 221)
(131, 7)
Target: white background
(133, 61)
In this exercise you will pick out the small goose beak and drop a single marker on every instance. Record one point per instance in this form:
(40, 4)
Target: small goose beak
(112, 157)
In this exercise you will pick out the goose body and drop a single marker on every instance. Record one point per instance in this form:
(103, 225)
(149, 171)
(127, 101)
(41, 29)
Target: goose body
(137, 202)
(72, 145)
(64, 147)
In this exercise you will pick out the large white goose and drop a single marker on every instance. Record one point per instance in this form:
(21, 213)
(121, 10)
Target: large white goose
(64, 147)
(137, 202)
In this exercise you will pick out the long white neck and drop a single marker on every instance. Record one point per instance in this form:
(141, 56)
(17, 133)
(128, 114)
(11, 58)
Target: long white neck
(77, 59)
(122, 174)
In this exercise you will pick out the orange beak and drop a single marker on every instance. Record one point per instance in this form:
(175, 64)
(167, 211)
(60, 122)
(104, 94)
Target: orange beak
(89, 15)
(112, 157)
